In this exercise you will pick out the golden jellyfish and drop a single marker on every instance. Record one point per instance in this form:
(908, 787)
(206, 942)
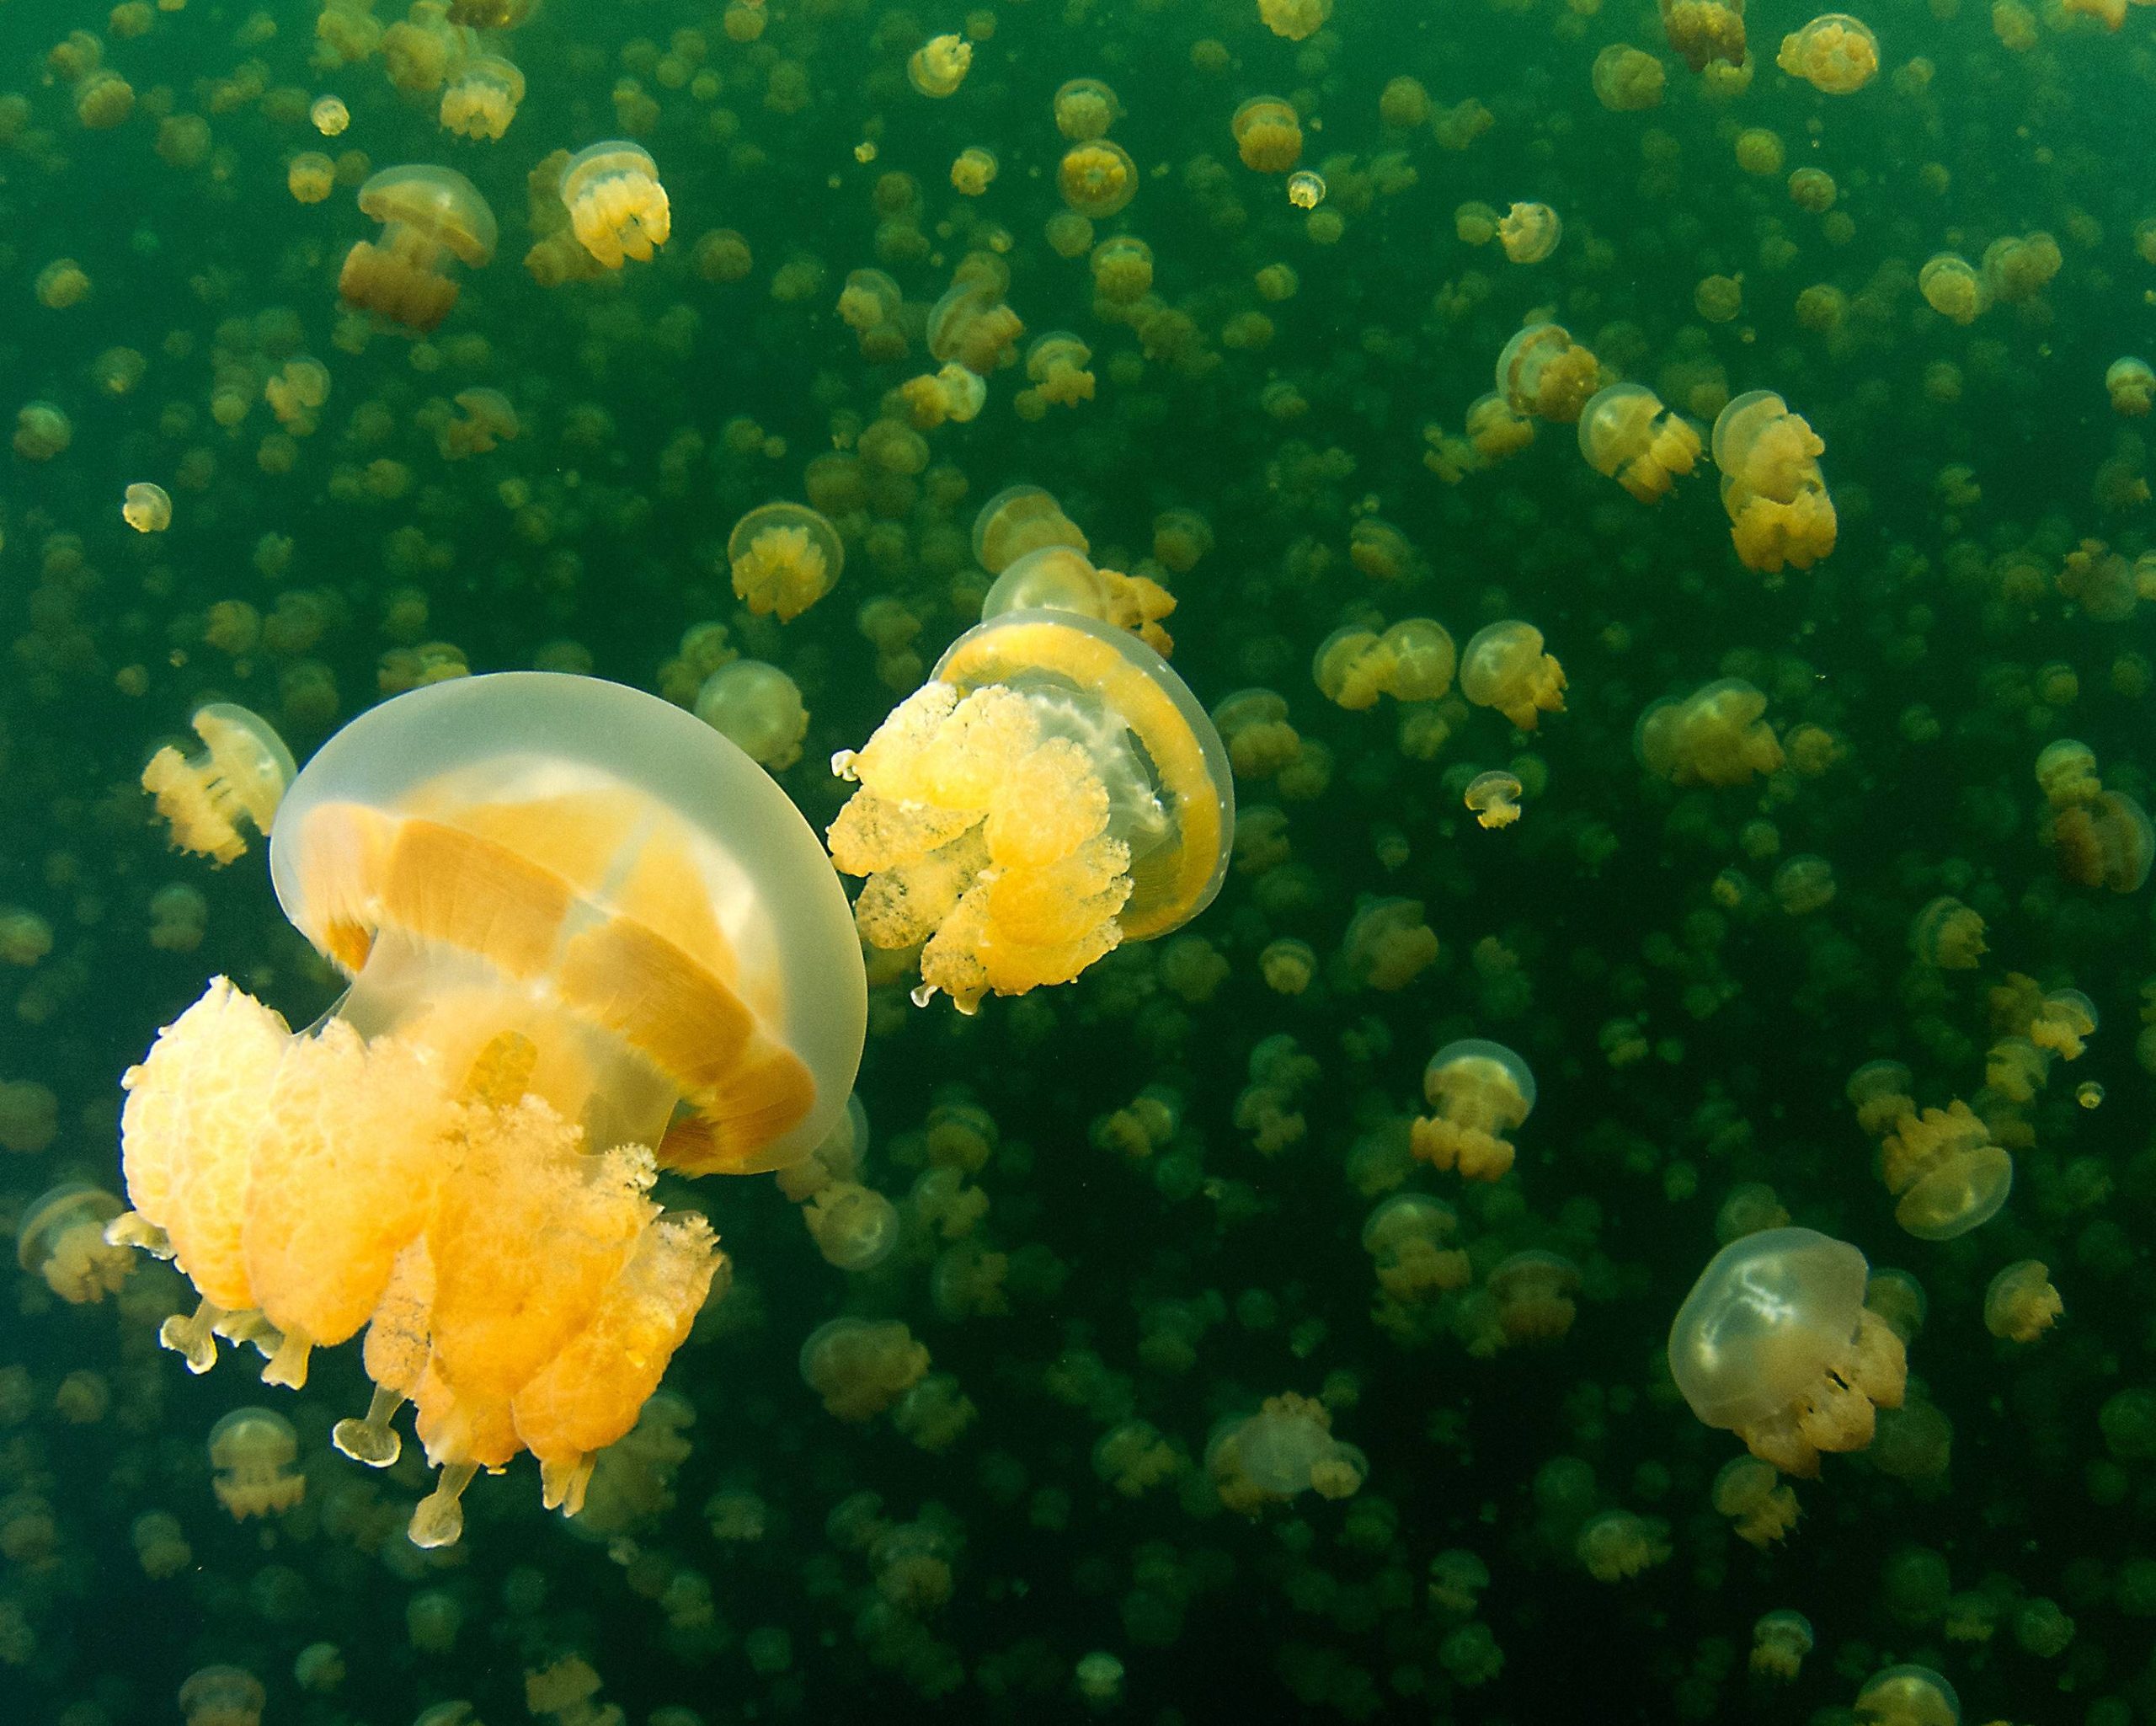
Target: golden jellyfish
(1085, 108)
(1533, 1290)
(2066, 773)
(1295, 20)
(1055, 367)
(953, 394)
(1053, 791)
(60, 284)
(617, 208)
(1305, 189)
(1267, 134)
(1774, 1343)
(2132, 386)
(1950, 286)
(1714, 736)
(42, 432)
(1947, 935)
(428, 215)
(973, 327)
(2104, 841)
(1947, 1175)
(241, 775)
(482, 96)
(1287, 1447)
(860, 1366)
(1906, 1696)
(940, 65)
(758, 708)
(1122, 269)
(587, 936)
(1504, 667)
(489, 421)
(1478, 1091)
(2020, 1304)
(1627, 434)
(310, 177)
(1529, 232)
(1057, 578)
(1835, 53)
(1772, 489)
(974, 170)
(222, 1696)
(1020, 519)
(784, 558)
(251, 1449)
(1543, 373)
(1706, 31)
(61, 1239)
(329, 116)
(1097, 178)
(1761, 1507)
(146, 507)
(1779, 1641)
(1494, 799)
(1627, 79)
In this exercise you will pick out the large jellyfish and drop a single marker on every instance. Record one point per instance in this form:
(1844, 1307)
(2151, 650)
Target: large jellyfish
(587, 937)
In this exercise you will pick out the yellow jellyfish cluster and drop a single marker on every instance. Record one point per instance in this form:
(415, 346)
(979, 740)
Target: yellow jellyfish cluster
(565, 971)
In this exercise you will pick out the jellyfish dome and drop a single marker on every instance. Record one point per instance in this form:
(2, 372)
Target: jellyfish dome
(587, 935)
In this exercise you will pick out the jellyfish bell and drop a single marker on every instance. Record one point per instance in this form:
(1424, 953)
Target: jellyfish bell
(617, 207)
(428, 214)
(240, 776)
(1056, 578)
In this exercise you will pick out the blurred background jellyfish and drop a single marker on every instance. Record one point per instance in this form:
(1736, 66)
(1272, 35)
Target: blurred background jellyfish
(428, 215)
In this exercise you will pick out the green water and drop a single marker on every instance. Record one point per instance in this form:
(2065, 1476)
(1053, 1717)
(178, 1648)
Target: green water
(1653, 937)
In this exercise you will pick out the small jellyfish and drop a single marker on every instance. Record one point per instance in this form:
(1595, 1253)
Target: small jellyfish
(1267, 134)
(310, 177)
(1627, 434)
(241, 773)
(1494, 796)
(1614, 1546)
(1286, 1448)
(860, 1366)
(1053, 791)
(939, 66)
(147, 508)
(1295, 20)
(784, 558)
(1388, 944)
(1533, 1290)
(1504, 667)
(1779, 1641)
(1542, 372)
(1947, 935)
(1951, 288)
(1772, 489)
(1835, 53)
(1529, 232)
(1085, 108)
(974, 170)
(427, 214)
(1946, 1174)
(251, 1449)
(1018, 520)
(222, 1696)
(1774, 1343)
(2106, 842)
(1305, 189)
(2020, 1304)
(490, 420)
(854, 1226)
(1714, 736)
(1056, 578)
(1908, 1696)
(1627, 79)
(757, 707)
(2132, 386)
(1097, 178)
(1055, 367)
(1761, 1507)
(617, 208)
(329, 116)
(482, 96)
(61, 1239)
(1478, 1091)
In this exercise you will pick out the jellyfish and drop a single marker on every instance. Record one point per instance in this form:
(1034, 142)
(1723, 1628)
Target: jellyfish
(617, 208)
(1494, 798)
(1529, 232)
(1615, 1546)
(956, 394)
(1053, 791)
(1504, 667)
(1287, 1447)
(1387, 945)
(222, 1696)
(939, 66)
(1946, 1172)
(1627, 79)
(1951, 288)
(1055, 366)
(1714, 736)
(1835, 53)
(1761, 1507)
(1779, 1641)
(784, 558)
(489, 421)
(240, 776)
(2020, 1304)
(1703, 32)
(2131, 387)
(1771, 486)
(482, 96)
(425, 213)
(1478, 1091)
(1017, 520)
(1774, 1343)
(2105, 841)
(251, 1449)
(1059, 579)
(62, 1237)
(147, 508)
(1295, 20)
(1544, 373)
(974, 170)
(587, 936)
(1908, 1696)
(329, 116)
(1085, 108)
(1627, 434)
(1097, 178)
(758, 708)
(859, 1367)
(972, 327)
(1947, 935)
(1267, 134)
(1533, 1290)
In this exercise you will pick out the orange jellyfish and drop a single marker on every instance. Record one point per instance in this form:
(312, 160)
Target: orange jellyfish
(616, 206)
(1053, 791)
(784, 557)
(587, 936)
(425, 213)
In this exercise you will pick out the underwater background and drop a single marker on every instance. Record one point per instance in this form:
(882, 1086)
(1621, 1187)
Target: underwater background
(1812, 894)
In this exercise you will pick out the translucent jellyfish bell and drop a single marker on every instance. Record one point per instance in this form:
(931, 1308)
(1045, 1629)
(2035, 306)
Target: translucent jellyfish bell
(1055, 790)
(613, 877)
(616, 205)
(427, 213)
(1056, 578)
(241, 775)
(784, 558)
(1908, 1696)
(1020, 519)
(1774, 1343)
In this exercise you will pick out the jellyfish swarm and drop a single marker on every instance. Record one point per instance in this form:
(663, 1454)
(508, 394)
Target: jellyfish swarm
(1774, 1343)
(1053, 791)
(587, 937)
